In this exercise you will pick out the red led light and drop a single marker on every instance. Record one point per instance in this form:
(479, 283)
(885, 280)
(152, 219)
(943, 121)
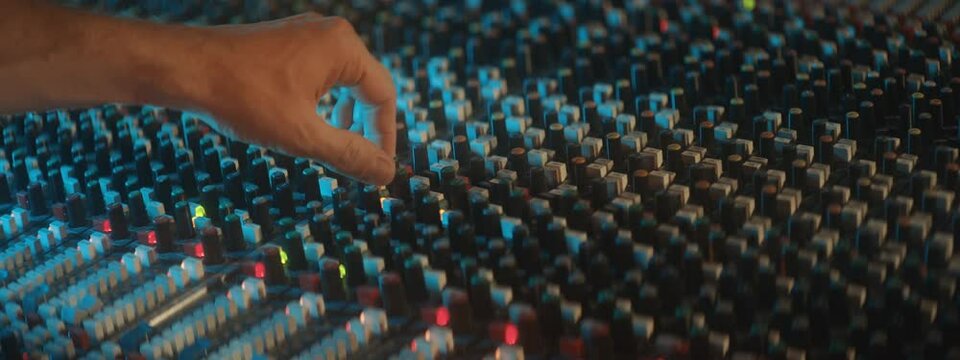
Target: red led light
(413, 345)
(106, 226)
(571, 346)
(198, 250)
(259, 270)
(151, 238)
(510, 334)
(443, 316)
(715, 32)
(664, 25)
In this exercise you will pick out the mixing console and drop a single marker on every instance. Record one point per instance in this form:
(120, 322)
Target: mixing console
(577, 179)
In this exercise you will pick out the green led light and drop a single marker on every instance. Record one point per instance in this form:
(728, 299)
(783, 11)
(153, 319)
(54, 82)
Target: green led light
(199, 211)
(283, 257)
(343, 271)
(749, 4)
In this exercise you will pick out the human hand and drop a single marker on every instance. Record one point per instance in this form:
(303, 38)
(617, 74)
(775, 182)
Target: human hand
(265, 81)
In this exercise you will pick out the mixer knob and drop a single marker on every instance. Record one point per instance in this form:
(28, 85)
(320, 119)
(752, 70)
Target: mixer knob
(274, 273)
(211, 238)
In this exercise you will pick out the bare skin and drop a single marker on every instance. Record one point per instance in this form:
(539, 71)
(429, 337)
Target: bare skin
(258, 82)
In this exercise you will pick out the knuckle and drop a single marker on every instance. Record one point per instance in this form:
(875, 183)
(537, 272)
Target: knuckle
(351, 159)
(340, 25)
(352, 151)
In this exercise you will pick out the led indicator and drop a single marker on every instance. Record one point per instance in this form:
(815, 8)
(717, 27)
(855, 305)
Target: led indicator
(749, 4)
(343, 271)
(510, 334)
(151, 238)
(106, 226)
(198, 250)
(283, 257)
(443, 316)
(198, 212)
(259, 270)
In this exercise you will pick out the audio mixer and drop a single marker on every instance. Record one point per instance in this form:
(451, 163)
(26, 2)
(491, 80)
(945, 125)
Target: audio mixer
(632, 179)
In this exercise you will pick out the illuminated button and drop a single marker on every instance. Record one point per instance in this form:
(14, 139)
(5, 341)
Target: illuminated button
(509, 352)
(180, 276)
(327, 185)
(126, 309)
(194, 268)
(10, 228)
(110, 349)
(146, 254)
(151, 350)
(252, 233)
(284, 326)
(87, 249)
(230, 309)
(21, 217)
(239, 297)
(359, 330)
(131, 263)
(255, 288)
(313, 251)
(346, 340)
(376, 320)
(425, 348)
(314, 304)
(180, 337)
(297, 312)
(93, 328)
(207, 315)
(442, 337)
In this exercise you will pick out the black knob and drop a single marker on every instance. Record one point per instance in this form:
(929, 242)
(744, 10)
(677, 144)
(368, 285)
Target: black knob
(331, 279)
(77, 210)
(210, 200)
(273, 266)
(38, 200)
(120, 229)
(260, 214)
(164, 231)
(394, 294)
(293, 247)
(184, 220)
(212, 239)
(233, 233)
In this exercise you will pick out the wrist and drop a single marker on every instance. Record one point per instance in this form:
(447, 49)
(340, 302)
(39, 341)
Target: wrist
(167, 65)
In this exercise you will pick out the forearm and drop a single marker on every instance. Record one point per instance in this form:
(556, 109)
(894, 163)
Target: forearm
(52, 57)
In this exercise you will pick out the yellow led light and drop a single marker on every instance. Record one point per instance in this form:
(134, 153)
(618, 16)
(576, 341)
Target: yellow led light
(749, 4)
(198, 212)
(283, 256)
(343, 271)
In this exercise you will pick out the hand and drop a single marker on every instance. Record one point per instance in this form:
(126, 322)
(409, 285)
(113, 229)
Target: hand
(266, 79)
